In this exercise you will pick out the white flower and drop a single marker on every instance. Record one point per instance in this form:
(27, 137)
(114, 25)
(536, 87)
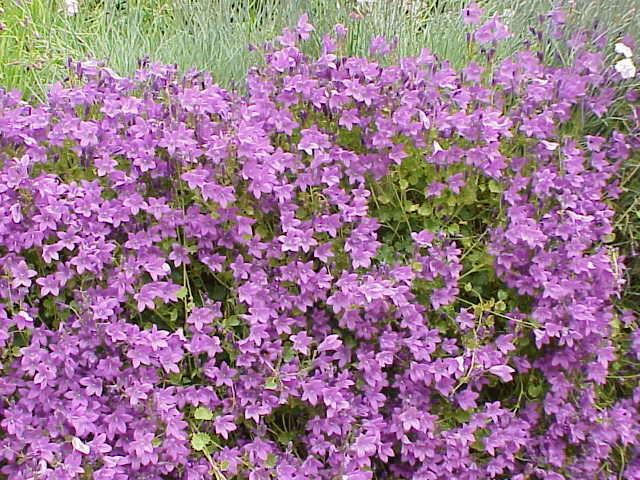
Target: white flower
(71, 7)
(80, 446)
(622, 49)
(549, 145)
(626, 68)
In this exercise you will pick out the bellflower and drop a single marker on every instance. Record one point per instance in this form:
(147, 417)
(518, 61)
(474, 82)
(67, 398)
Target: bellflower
(350, 270)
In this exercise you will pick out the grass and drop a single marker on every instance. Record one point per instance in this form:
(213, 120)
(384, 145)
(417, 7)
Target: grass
(214, 35)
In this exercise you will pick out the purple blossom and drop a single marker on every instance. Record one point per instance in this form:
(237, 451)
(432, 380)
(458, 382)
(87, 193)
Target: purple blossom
(472, 342)
(491, 31)
(471, 14)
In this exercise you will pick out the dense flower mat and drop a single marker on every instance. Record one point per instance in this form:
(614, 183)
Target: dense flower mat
(352, 272)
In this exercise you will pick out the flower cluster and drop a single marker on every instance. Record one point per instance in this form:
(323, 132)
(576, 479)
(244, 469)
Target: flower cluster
(352, 271)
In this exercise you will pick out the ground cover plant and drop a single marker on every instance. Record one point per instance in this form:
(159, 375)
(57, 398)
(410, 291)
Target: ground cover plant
(360, 268)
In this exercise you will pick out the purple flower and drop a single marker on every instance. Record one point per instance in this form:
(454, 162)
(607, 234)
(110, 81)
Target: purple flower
(224, 425)
(22, 275)
(503, 372)
(301, 342)
(492, 30)
(471, 14)
(340, 30)
(331, 342)
(423, 238)
(456, 182)
(49, 285)
(142, 448)
(304, 28)
(434, 189)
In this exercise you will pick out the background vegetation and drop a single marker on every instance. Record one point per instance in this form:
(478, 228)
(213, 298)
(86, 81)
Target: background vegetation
(215, 35)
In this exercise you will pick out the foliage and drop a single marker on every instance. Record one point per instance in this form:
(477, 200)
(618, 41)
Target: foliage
(360, 268)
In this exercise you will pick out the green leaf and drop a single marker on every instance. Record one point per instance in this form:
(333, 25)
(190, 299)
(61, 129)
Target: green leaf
(285, 437)
(271, 460)
(200, 441)
(424, 210)
(203, 413)
(453, 228)
(534, 390)
(468, 197)
(182, 292)
(271, 383)
(232, 321)
(494, 187)
(383, 199)
(349, 341)
(287, 353)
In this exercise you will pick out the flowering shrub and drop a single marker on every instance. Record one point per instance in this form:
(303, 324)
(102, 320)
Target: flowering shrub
(351, 272)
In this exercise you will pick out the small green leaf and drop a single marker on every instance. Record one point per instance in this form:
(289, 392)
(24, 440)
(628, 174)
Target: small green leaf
(494, 187)
(477, 445)
(285, 437)
(271, 383)
(454, 228)
(182, 292)
(232, 321)
(534, 390)
(287, 353)
(200, 441)
(203, 413)
(349, 341)
(424, 210)
(271, 460)
(462, 415)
